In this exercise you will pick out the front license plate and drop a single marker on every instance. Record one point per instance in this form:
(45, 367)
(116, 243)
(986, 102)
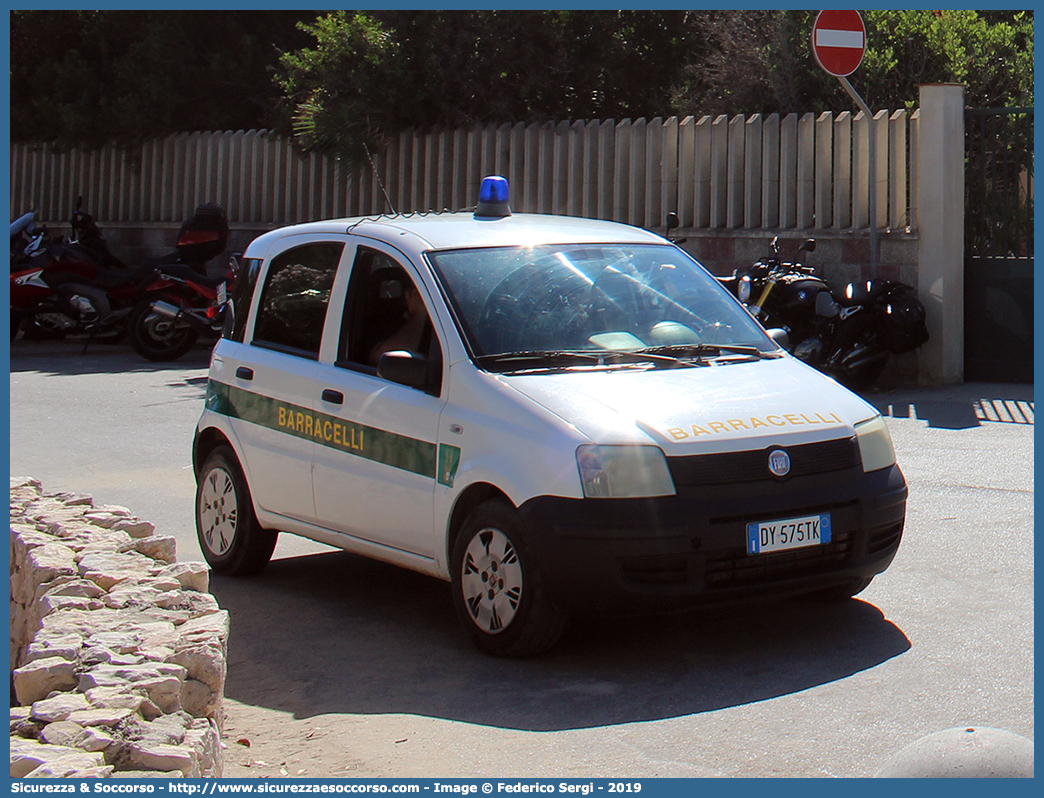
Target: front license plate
(788, 533)
(222, 294)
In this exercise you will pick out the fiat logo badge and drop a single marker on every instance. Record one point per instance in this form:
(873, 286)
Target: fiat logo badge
(779, 462)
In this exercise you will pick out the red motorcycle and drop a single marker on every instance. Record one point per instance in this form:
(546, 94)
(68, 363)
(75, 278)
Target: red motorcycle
(26, 239)
(79, 288)
(180, 304)
(182, 301)
(59, 291)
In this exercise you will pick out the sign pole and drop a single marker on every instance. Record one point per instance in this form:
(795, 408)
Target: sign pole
(839, 43)
(872, 162)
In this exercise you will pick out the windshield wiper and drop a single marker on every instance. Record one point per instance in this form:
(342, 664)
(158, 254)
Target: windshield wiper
(571, 358)
(699, 350)
(537, 355)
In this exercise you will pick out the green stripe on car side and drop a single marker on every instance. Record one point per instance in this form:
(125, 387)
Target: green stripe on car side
(381, 446)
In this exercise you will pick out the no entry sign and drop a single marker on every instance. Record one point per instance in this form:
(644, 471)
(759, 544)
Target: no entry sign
(839, 41)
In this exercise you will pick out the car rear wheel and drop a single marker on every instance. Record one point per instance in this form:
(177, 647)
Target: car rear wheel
(232, 540)
(498, 591)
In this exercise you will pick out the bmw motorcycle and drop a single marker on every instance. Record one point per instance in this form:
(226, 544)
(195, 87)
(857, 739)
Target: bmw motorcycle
(849, 335)
(26, 238)
(59, 290)
(77, 288)
(88, 242)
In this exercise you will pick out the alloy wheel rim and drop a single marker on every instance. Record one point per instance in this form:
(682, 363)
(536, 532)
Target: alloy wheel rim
(160, 328)
(218, 511)
(491, 580)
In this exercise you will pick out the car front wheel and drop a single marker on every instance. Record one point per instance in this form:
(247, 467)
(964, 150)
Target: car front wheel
(232, 540)
(498, 592)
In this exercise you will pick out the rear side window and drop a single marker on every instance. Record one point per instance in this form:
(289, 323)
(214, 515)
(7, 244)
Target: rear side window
(239, 302)
(293, 304)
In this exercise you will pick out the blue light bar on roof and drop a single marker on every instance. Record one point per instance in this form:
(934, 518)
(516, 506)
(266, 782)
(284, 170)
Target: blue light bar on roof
(493, 198)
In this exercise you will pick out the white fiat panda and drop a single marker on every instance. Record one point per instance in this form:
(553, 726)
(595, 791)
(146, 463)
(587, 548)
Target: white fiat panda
(557, 415)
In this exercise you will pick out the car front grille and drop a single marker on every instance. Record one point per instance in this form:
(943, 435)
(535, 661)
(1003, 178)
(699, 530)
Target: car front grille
(656, 570)
(752, 466)
(734, 567)
(725, 567)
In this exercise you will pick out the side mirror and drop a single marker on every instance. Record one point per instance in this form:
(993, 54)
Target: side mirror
(673, 222)
(779, 335)
(808, 245)
(405, 368)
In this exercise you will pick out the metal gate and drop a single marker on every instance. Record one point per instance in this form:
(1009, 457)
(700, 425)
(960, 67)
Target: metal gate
(998, 245)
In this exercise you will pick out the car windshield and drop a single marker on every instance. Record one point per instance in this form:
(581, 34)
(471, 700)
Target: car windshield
(592, 298)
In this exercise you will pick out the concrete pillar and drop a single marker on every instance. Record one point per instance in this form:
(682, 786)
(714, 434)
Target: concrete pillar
(940, 282)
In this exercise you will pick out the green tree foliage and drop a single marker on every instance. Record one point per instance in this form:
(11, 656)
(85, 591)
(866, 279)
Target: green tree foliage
(369, 75)
(991, 53)
(88, 78)
(346, 81)
(344, 89)
(765, 63)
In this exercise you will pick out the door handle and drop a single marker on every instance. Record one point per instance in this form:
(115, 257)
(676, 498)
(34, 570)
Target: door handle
(244, 373)
(333, 397)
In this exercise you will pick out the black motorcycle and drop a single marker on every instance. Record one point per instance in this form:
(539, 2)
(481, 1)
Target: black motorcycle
(849, 335)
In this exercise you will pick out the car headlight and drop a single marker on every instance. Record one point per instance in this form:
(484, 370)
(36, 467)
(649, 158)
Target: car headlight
(623, 472)
(875, 444)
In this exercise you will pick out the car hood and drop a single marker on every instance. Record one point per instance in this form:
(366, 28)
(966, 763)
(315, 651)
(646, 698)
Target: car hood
(726, 406)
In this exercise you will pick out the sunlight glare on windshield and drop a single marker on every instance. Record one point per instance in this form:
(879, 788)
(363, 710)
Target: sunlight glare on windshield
(589, 297)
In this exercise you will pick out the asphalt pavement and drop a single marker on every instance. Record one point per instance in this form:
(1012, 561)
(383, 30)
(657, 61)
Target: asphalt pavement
(943, 639)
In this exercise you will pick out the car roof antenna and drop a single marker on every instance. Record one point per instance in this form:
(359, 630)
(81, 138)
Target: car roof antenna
(380, 182)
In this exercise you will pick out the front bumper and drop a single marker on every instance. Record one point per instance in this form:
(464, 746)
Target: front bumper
(616, 556)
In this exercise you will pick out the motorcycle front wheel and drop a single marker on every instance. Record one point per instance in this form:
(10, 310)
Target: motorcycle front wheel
(157, 337)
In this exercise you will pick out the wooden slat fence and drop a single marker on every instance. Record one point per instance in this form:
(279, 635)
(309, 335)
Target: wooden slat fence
(727, 172)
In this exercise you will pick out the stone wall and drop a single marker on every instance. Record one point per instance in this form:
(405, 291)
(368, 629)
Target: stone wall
(118, 651)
